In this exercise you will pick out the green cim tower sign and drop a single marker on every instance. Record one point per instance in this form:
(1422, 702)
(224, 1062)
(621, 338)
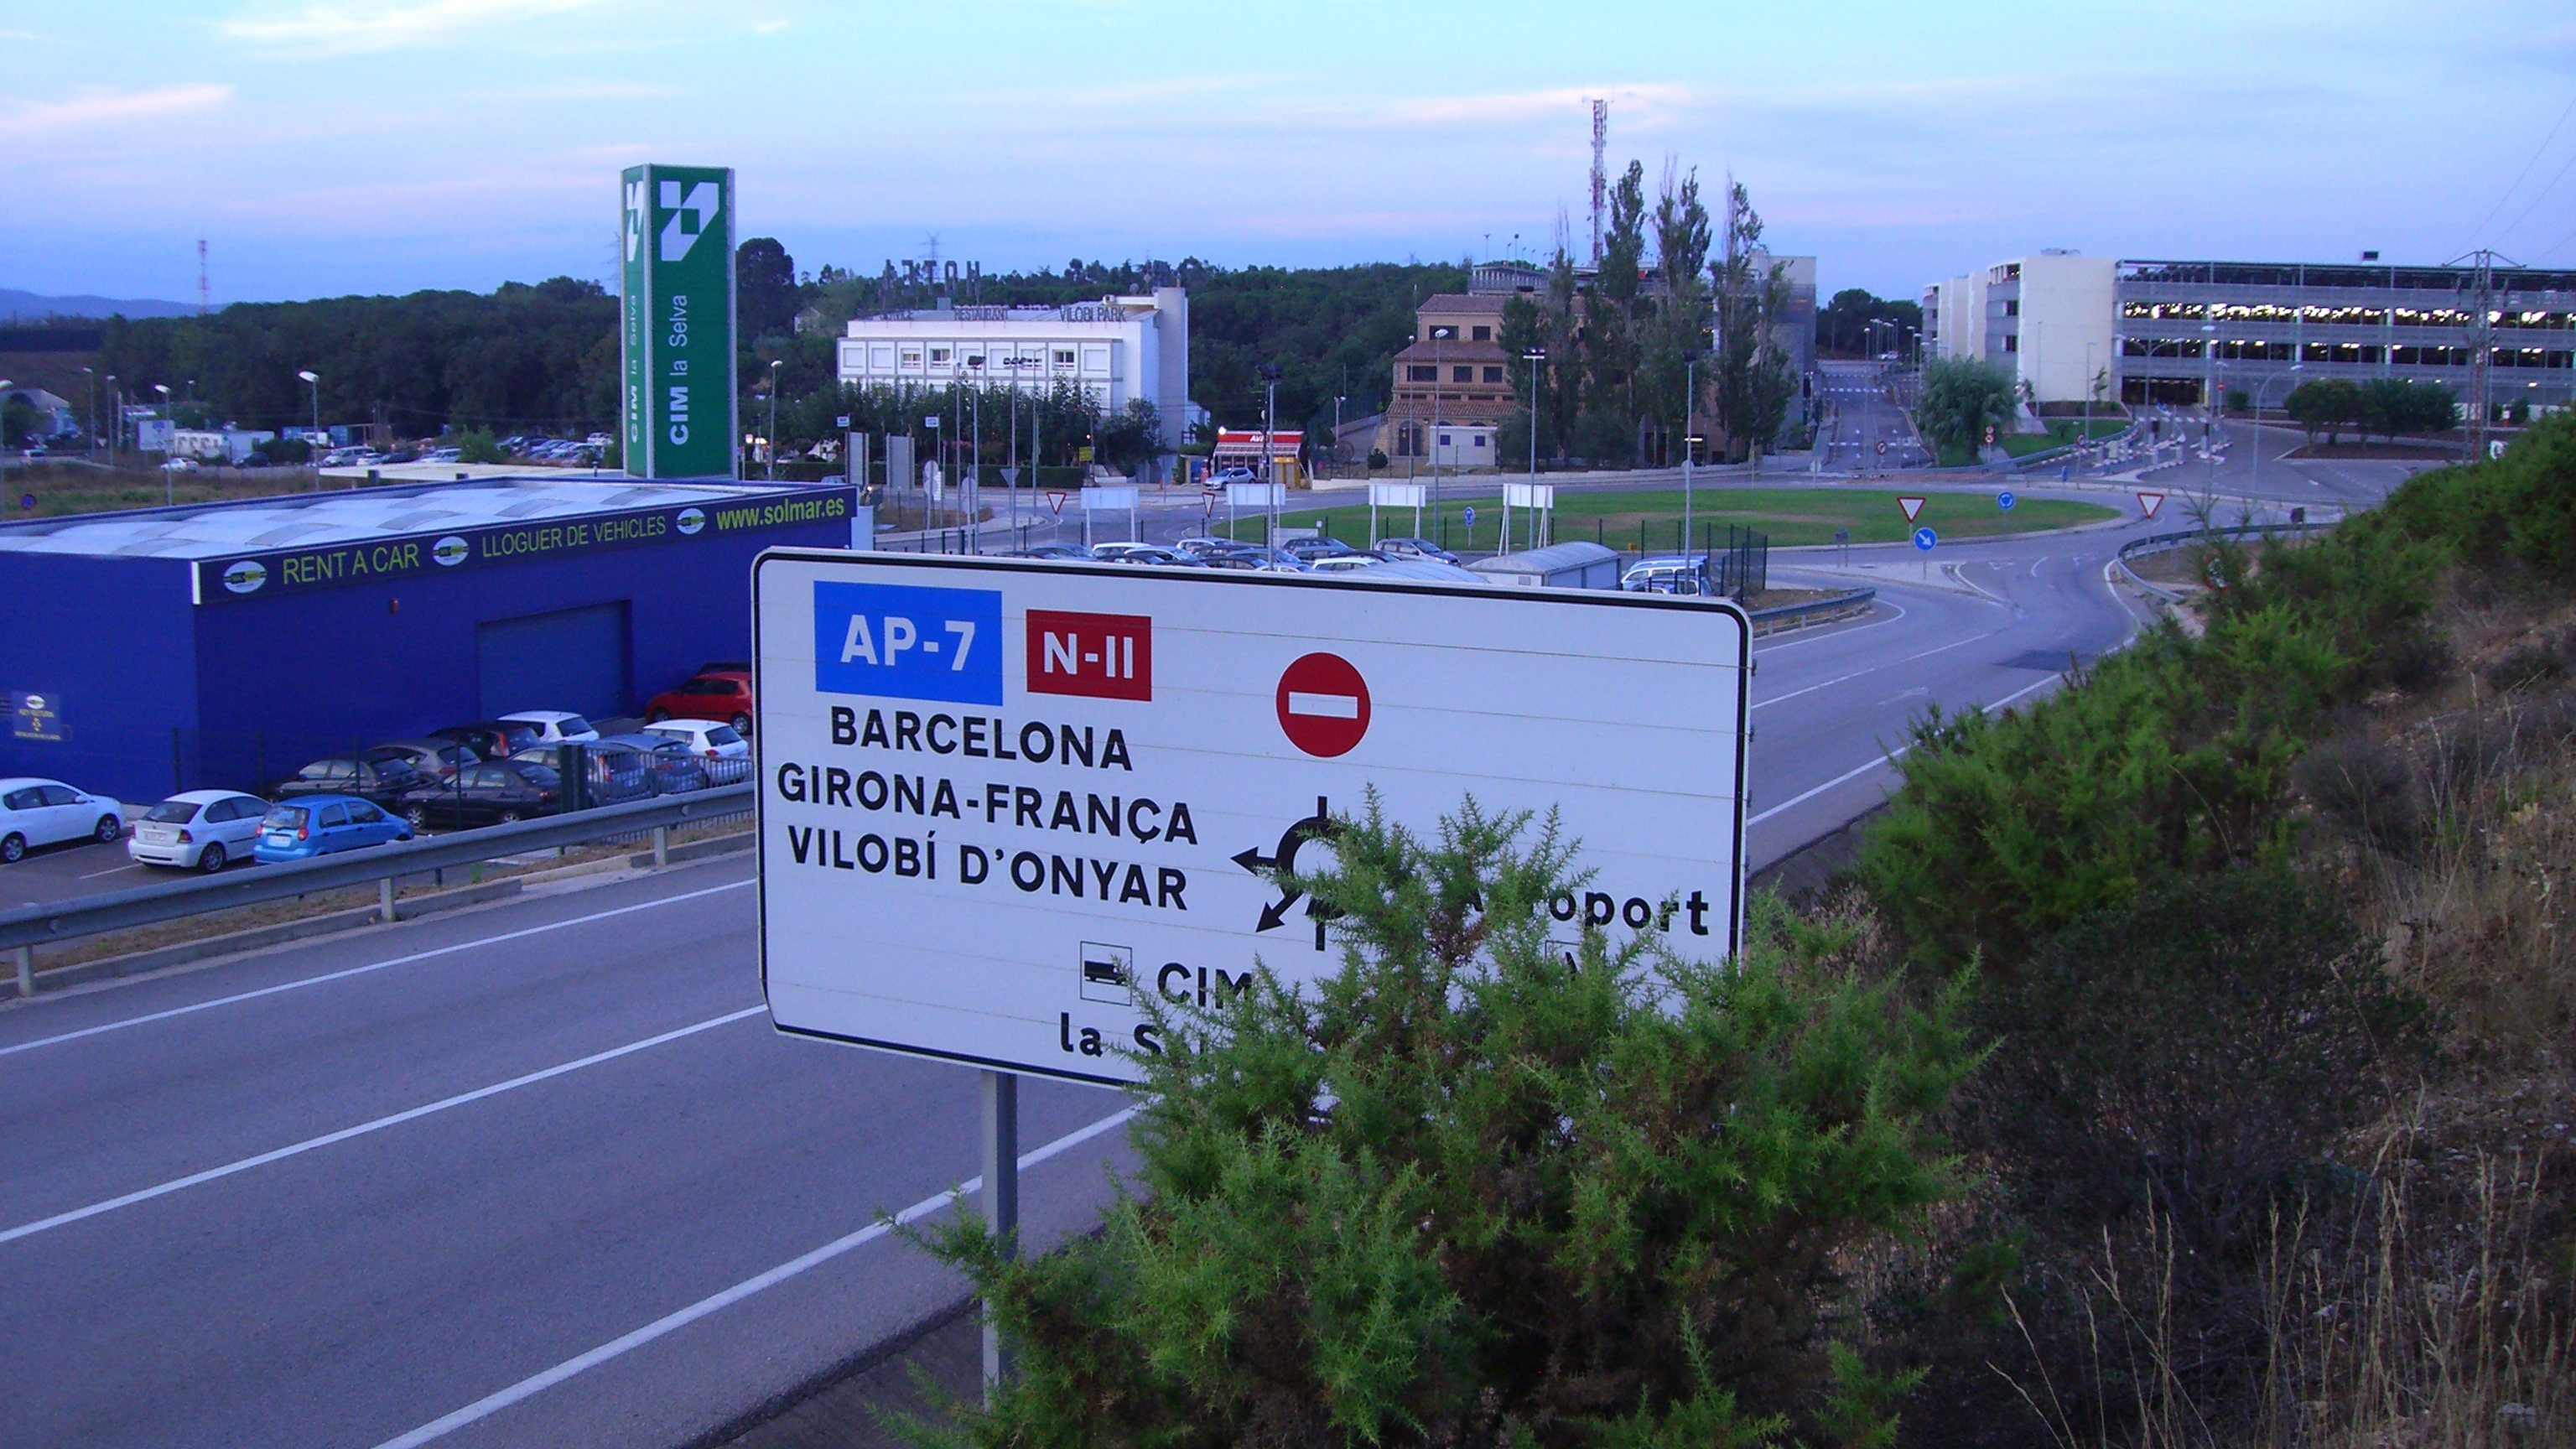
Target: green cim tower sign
(675, 333)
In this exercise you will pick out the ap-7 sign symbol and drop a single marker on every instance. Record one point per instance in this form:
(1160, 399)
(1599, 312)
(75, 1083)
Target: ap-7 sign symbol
(1283, 861)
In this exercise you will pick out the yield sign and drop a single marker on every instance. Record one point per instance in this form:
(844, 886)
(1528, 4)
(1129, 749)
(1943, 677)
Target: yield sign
(2148, 503)
(1912, 506)
(1055, 502)
(1323, 705)
(1010, 477)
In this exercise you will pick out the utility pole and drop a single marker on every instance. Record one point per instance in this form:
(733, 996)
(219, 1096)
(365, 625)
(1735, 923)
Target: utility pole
(774, 365)
(1270, 444)
(1439, 334)
(2481, 342)
(1600, 172)
(1690, 403)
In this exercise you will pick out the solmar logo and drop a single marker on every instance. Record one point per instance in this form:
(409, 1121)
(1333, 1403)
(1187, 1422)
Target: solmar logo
(245, 577)
(450, 551)
(1100, 656)
(691, 520)
(692, 215)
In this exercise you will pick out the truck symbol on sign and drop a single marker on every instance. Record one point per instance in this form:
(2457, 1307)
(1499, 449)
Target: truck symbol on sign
(1108, 973)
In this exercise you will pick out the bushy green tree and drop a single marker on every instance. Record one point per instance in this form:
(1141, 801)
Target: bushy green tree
(1750, 384)
(1959, 399)
(1469, 1191)
(477, 445)
(2327, 405)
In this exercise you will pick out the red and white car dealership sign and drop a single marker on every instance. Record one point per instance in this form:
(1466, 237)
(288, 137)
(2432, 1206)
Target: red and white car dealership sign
(1003, 801)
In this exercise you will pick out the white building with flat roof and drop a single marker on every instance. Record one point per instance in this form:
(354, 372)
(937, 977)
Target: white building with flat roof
(1118, 350)
(2046, 319)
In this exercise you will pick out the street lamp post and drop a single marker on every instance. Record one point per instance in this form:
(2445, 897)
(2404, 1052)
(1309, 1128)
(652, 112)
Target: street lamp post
(91, 443)
(1270, 373)
(1690, 403)
(2209, 397)
(1438, 336)
(169, 479)
(1534, 357)
(774, 364)
(313, 383)
(115, 418)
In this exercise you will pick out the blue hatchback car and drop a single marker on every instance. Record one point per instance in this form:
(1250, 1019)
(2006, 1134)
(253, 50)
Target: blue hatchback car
(312, 825)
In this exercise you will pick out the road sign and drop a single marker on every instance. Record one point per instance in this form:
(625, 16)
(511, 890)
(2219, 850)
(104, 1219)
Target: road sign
(1529, 495)
(1010, 477)
(2148, 503)
(1116, 499)
(1002, 802)
(1882, 447)
(1256, 495)
(1924, 538)
(931, 422)
(1911, 505)
(1471, 516)
(1397, 495)
(1323, 705)
(1055, 502)
(2005, 500)
(1990, 435)
(842, 422)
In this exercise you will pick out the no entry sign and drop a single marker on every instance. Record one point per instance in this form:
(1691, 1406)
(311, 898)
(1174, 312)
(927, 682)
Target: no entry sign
(1323, 705)
(994, 849)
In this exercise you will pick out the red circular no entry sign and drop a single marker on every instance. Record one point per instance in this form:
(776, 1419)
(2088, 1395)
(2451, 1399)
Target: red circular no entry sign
(1323, 705)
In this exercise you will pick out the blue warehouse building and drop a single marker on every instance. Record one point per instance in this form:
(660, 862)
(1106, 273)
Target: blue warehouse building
(225, 645)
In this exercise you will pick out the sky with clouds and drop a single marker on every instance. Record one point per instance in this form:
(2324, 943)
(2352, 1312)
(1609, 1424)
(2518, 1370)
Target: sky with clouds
(388, 145)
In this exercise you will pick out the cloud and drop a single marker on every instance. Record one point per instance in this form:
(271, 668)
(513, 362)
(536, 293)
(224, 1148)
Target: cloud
(96, 107)
(342, 28)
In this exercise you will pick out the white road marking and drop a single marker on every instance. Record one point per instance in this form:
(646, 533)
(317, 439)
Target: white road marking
(1902, 614)
(113, 870)
(538, 1383)
(149, 1017)
(211, 1174)
(1883, 762)
(1873, 669)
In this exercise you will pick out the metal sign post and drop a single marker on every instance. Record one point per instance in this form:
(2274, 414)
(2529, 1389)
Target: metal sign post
(1001, 1192)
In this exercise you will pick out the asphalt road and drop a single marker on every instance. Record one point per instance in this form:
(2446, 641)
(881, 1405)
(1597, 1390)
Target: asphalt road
(531, 1174)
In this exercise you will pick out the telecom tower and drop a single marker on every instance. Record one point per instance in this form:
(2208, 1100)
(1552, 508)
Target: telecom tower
(2481, 343)
(1600, 174)
(205, 295)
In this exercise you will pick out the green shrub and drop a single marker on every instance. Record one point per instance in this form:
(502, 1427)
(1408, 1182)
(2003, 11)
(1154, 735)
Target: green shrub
(1466, 1193)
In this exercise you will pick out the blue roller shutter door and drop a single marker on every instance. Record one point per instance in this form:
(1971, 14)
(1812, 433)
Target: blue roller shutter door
(575, 659)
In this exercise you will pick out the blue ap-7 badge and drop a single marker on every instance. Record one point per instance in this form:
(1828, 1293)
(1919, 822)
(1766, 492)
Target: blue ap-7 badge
(903, 642)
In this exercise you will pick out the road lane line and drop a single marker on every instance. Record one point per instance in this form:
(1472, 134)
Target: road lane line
(1902, 614)
(112, 870)
(538, 1383)
(297, 1149)
(1874, 668)
(1884, 761)
(480, 941)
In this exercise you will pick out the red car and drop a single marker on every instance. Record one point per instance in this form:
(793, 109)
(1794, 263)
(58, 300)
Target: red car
(718, 695)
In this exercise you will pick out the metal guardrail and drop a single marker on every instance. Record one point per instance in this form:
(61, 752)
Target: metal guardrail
(27, 927)
(1782, 612)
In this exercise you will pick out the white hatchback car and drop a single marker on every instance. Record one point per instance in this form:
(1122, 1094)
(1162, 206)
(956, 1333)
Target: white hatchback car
(37, 812)
(555, 726)
(708, 739)
(199, 830)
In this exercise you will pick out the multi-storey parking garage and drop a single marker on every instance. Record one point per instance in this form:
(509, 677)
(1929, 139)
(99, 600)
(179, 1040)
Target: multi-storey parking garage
(2262, 329)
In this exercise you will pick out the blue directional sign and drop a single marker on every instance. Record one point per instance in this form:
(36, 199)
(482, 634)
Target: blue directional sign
(1924, 538)
(2005, 500)
(1471, 518)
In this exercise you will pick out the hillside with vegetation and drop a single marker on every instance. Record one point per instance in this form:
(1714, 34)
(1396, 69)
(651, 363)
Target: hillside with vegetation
(2185, 1063)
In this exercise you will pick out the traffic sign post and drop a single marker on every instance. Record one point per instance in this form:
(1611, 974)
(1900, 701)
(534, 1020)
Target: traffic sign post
(1911, 505)
(2148, 503)
(2005, 500)
(1924, 541)
(1395, 495)
(1004, 803)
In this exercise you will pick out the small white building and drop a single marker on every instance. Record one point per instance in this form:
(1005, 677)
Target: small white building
(216, 445)
(1118, 350)
(1462, 445)
(2046, 319)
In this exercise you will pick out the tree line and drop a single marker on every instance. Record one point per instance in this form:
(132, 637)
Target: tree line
(1630, 362)
(2387, 406)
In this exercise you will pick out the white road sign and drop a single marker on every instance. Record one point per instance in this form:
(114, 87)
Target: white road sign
(1256, 495)
(1529, 495)
(1000, 800)
(1397, 495)
(1112, 499)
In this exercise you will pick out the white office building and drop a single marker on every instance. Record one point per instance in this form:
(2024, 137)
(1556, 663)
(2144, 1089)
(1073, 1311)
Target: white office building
(1118, 349)
(2046, 319)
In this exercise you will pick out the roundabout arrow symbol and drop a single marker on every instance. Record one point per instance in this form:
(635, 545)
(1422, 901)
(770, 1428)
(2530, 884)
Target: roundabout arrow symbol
(1281, 861)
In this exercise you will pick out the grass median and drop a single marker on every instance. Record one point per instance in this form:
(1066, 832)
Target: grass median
(1651, 521)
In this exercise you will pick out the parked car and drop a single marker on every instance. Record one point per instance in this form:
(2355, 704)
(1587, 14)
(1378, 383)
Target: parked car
(1346, 563)
(553, 726)
(491, 739)
(613, 774)
(670, 765)
(1047, 550)
(724, 666)
(493, 793)
(36, 812)
(199, 830)
(1313, 549)
(1200, 546)
(1400, 549)
(382, 781)
(435, 759)
(324, 825)
(1666, 576)
(1146, 553)
(1218, 481)
(722, 696)
(726, 755)
(1113, 552)
(1267, 560)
